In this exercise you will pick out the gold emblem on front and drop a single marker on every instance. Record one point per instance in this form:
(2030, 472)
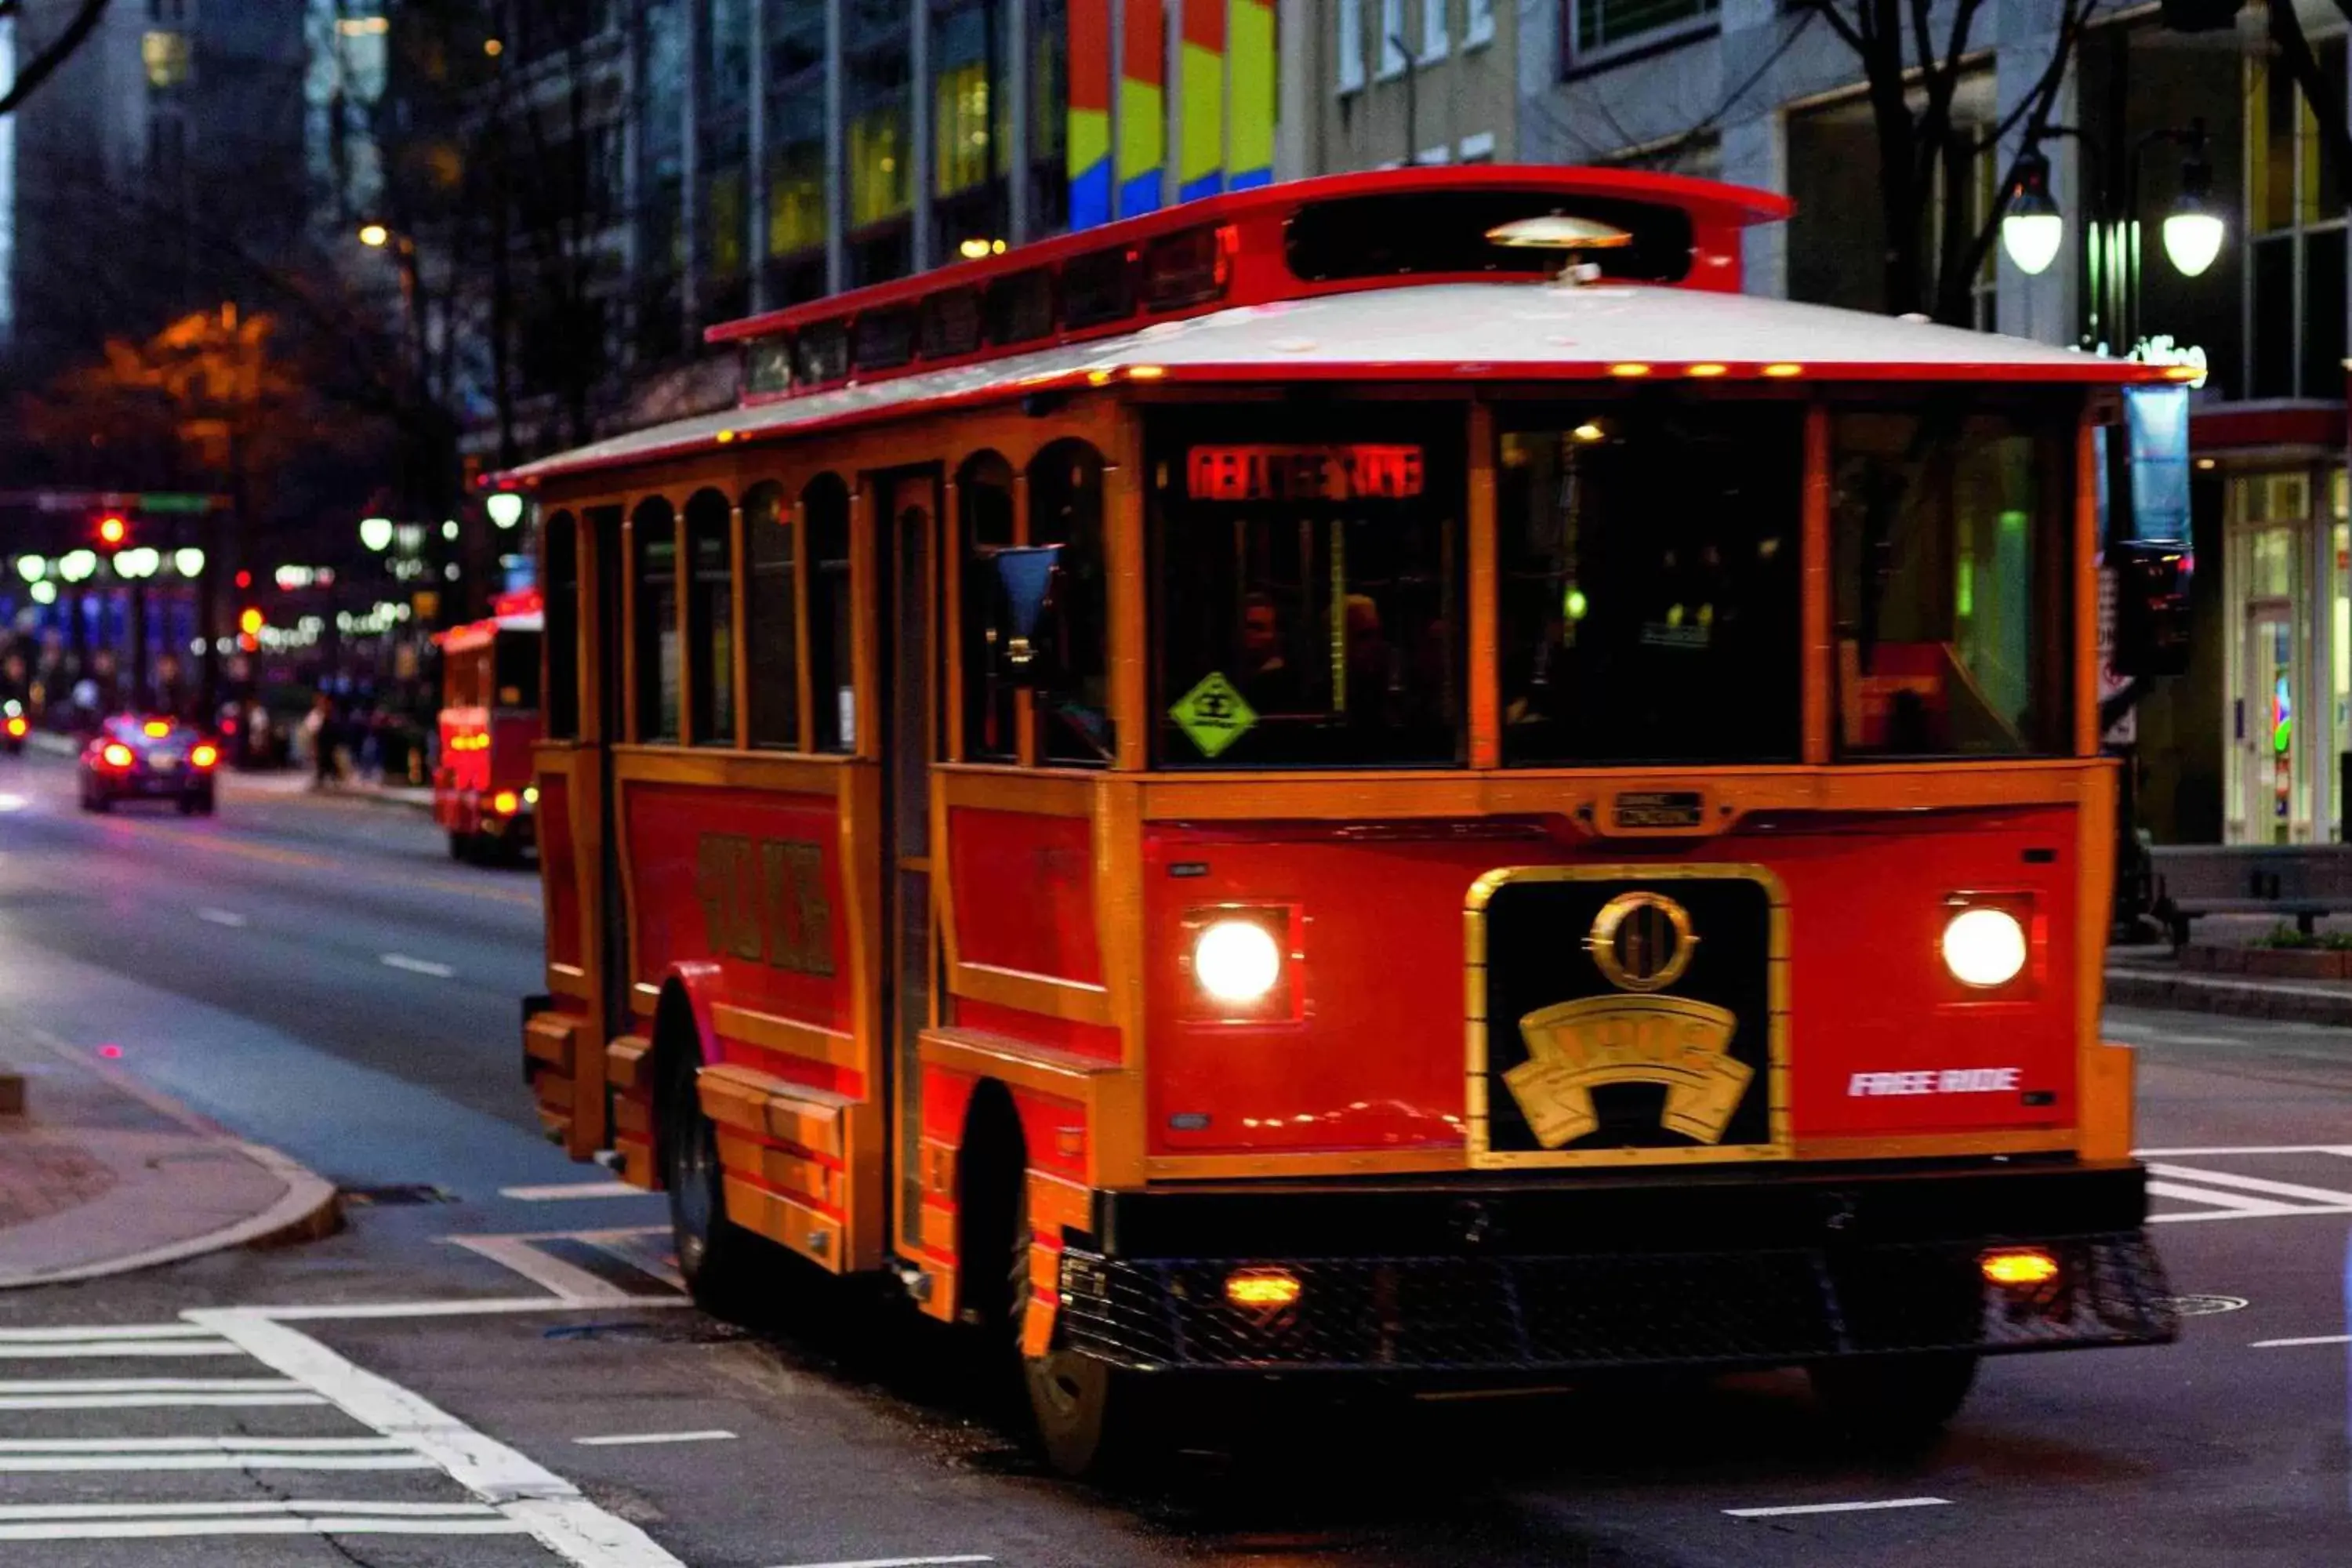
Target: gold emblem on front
(1642, 940)
(1573, 1047)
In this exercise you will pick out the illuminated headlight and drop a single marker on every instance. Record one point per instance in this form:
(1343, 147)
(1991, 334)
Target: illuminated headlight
(1984, 947)
(1237, 961)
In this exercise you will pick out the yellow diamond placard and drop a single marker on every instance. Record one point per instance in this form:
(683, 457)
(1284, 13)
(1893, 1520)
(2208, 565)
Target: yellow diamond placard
(1212, 715)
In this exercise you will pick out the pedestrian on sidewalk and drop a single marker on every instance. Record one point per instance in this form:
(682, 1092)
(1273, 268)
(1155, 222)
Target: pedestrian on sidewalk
(320, 729)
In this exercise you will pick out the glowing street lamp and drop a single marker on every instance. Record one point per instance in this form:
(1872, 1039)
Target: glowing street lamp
(374, 236)
(2032, 229)
(505, 509)
(188, 560)
(2193, 230)
(375, 532)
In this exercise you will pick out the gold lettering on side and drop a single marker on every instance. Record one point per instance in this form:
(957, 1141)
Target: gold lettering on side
(1576, 1047)
(800, 920)
(764, 899)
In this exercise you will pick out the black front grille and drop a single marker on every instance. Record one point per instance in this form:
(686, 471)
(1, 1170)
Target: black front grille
(1552, 1314)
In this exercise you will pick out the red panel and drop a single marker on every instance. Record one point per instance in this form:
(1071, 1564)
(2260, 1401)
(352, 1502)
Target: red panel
(717, 878)
(512, 736)
(1100, 1041)
(1376, 1058)
(559, 868)
(1024, 893)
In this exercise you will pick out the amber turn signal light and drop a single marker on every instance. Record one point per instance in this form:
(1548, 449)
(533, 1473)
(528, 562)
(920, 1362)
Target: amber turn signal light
(1262, 1290)
(2019, 1267)
(506, 801)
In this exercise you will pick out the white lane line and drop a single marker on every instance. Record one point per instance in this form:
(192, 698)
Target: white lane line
(2308, 1340)
(201, 1445)
(108, 1331)
(1787, 1508)
(618, 1439)
(524, 1491)
(111, 1349)
(152, 1385)
(2228, 1206)
(569, 1281)
(333, 1525)
(223, 918)
(245, 1459)
(149, 1401)
(2325, 1197)
(461, 1308)
(419, 965)
(558, 1191)
(2244, 1149)
(890, 1563)
(53, 1511)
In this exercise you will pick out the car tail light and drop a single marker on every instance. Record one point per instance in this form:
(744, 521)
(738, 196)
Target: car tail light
(506, 803)
(204, 756)
(117, 754)
(17, 727)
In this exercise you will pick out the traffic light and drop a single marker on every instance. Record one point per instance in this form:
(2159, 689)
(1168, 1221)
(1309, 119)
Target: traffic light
(113, 531)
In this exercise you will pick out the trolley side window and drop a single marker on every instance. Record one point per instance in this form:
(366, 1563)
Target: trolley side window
(1953, 578)
(1647, 555)
(515, 670)
(770, 619)
(1307, 574)
(984, 509)
(1065, 510)
(656, 612)
(833, 627)
(710, 611)
(564, 627)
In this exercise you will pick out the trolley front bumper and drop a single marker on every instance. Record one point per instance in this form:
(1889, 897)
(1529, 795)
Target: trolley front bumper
(1503, 1280)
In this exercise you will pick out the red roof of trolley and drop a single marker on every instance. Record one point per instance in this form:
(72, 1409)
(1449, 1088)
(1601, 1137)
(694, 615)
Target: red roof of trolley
(1461, 331)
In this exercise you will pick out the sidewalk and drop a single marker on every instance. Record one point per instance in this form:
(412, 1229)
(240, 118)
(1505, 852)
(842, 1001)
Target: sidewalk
(100, 1176)
(297, 780)
(2217, 972)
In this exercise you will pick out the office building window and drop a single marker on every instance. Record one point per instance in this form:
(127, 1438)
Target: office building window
(2294, 216)
(1477, 22)
(166, 56)
(1393, 56)
(1352, 44)
(1434, 39)
(1599, 26)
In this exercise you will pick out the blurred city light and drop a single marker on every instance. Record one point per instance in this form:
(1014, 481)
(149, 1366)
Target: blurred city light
(505, 509)
(375, 532)
(188, 560)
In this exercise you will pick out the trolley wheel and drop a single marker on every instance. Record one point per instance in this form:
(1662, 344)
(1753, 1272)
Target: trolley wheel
(1897, 1401)
(719, 1261)
(1092, 1419)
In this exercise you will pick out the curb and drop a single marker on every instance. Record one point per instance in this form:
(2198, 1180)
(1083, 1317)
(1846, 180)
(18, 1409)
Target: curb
(2277, 1001)
(310, 1209)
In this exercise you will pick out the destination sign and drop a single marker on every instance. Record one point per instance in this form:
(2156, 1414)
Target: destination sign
(1353, 472)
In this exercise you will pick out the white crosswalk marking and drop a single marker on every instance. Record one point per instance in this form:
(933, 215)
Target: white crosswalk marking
(2226, 1194)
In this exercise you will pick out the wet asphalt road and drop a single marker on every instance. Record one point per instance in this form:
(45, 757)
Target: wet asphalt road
(240, 965)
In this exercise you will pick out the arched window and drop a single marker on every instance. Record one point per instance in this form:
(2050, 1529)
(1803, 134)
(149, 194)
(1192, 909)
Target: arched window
(771, 618)
(984, 512)
(1065, 508)
(710, 617)
(833, 622)
(654, 587)
(561, 540)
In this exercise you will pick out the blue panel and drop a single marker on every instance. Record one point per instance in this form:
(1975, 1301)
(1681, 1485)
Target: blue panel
(1208, 184)
(1090, 196)
(1140, 194)
(2158, 420)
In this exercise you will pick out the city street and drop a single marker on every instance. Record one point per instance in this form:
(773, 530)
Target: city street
(493, 1325)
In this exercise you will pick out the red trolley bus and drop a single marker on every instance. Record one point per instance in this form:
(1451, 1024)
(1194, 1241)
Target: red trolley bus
(483, 793)
(1310, 784)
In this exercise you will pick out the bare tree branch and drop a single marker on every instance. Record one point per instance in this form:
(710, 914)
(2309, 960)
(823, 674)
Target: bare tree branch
(42, 66)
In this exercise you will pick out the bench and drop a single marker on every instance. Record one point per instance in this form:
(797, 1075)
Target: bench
(2302, 881)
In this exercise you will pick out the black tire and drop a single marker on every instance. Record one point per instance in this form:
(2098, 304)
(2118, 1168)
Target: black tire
(461, 846)
(720, 1262)
(100, 803)
(205, 804)
(1896, 1403)
(1091, 1419)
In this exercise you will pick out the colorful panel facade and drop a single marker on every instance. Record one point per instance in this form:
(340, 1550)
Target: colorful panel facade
(1201, 85)
(1249, 112)
(1142, 107)
(1089, 137)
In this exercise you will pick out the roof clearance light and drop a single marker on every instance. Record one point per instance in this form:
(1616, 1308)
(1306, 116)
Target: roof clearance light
(1146, 372)
(156, 728)
(973, 249)
(1558, 231)
(1984, 947)
(2184, 372)
(1589, 431)
(1629, 370)
(1705, 372)
(1783, 370)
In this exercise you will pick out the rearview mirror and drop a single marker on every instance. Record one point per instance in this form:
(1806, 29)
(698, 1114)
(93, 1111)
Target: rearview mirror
(1027, 651)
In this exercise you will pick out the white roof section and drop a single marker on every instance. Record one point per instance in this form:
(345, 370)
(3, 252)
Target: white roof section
(1440, 331)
